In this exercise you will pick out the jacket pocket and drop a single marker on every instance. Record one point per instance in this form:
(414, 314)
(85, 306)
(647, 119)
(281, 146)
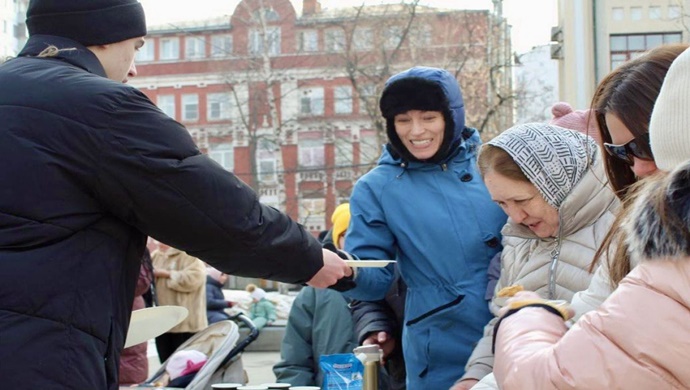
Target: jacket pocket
(436, 310)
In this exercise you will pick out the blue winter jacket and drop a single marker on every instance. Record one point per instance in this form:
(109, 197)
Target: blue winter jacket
(439, 223)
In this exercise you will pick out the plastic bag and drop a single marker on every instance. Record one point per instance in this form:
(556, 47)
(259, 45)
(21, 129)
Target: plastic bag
(341, 372)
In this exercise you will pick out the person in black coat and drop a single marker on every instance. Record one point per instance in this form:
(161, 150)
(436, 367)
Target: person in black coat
(90, 167)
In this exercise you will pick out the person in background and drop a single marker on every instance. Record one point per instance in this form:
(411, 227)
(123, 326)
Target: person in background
(215, 300)
(319, 322)
(261, 311)
(180, 281)
(425, 206)
(637, 339)
(134, 361)
(583, 121)
(90, 168)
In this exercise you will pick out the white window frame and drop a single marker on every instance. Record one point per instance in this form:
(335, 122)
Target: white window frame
(166, 103)
(311, 153)
(363, 38)
(654, 12)
(367, 95)
(392, 36)
(312, 207)
(221, 45)
(256, 43)
(218, 106)
(618, 13)
(674, 12)
(311, 101)
(342, 99)
(267, 174)
(334, 40)
(195, 47)
(307, 41)
(190, 107)
(170, 49)
(223, 154)
(635, 14)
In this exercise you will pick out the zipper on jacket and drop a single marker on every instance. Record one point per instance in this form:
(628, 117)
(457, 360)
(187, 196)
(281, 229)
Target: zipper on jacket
(444, 167)
(555, 253)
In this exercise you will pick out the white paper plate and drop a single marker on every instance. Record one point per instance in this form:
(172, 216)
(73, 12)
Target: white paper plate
(148, 323)
(368, 263)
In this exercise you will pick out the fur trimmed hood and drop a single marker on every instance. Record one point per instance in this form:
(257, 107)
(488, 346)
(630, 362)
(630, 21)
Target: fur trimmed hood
(658, 225)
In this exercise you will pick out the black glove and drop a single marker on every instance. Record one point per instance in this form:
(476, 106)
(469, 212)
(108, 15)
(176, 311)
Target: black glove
(347, 282)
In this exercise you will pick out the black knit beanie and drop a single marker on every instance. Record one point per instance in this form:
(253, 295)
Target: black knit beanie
(89, 22)
(415, 93)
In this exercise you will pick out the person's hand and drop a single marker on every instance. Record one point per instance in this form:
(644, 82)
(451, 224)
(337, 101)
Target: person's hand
(161, 273)
(465, 384)
(532, 296)
(230, 303)
(384, 340)
(334, 268)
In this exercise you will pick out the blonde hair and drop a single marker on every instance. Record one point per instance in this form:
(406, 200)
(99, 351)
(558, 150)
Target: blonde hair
(250, 288)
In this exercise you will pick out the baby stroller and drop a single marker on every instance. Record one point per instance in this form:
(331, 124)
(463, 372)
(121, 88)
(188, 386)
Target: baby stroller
(220, 343)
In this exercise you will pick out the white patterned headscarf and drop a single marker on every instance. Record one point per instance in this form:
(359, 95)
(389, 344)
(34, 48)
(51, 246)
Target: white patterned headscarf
(554, 159)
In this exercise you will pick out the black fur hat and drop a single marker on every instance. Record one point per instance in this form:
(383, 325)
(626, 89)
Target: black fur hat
(89, 22)
(415, 93)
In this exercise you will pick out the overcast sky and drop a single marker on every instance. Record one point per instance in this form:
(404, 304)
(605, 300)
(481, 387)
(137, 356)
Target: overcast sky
(531, 19)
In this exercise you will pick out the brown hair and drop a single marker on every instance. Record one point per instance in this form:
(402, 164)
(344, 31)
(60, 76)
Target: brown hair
(493, 158)
(629, 93)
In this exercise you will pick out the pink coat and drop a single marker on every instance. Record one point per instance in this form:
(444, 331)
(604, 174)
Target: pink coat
(638, 339)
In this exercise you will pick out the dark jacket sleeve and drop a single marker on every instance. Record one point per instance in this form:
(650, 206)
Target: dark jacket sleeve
(213, 301)
(494, 274)
(151, 175)
(372, 317)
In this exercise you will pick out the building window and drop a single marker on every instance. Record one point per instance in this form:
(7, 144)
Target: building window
(370, 150)
(269, 15)
(221, 45)
(625, 47)
(195, 47)
(311, 153)
(270, 36)
(363, 38)
(170, 48)
(617, 13)
(312, 207)
(147, 52)
(311, 101)
(218, 106)
(674, 12)
(654, 12)
(267, 170)
(334, 40)
(392, 36)
(190, 107)
(167, 104)
(307, 41)
(266, 154)
(635, 13)
(342, 95)
(223, 154)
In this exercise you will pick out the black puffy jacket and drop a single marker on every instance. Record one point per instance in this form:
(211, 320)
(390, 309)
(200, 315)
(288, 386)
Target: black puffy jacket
(88, 168)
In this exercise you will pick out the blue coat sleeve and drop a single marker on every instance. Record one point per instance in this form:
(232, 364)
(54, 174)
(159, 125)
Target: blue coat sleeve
(368, 237)
(213, 302)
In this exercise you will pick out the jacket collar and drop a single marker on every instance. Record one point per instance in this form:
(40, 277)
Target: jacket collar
(81, 57)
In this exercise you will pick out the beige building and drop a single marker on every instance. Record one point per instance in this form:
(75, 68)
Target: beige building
(595, 36)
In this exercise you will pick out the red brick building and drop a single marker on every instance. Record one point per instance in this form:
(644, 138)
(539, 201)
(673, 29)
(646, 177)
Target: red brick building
(288, 102)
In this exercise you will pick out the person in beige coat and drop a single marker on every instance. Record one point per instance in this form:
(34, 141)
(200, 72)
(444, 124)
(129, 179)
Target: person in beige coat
(551, 183)
(639, 338)
(180, 281)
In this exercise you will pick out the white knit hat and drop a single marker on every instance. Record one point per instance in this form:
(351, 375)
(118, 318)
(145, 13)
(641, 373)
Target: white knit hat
(258, 294)
(669, 132)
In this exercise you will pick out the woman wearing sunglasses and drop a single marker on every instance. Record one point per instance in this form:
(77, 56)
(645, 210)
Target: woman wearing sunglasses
(623, 104)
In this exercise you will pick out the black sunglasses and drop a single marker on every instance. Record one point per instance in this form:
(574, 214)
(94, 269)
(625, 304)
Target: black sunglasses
(637, 147)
